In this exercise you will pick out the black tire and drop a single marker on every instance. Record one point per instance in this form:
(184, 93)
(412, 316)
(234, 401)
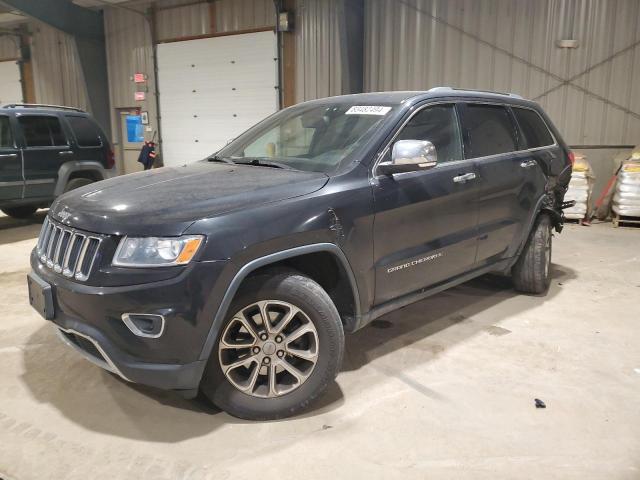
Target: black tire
(531, 273)
(76, 183)
(305, 294)
(20, 212)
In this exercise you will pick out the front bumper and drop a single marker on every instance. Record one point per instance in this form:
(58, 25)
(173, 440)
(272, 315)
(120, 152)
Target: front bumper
(89, 319)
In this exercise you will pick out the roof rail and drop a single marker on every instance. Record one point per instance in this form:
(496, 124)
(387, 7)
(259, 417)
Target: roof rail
(42, 105)
(441, 89)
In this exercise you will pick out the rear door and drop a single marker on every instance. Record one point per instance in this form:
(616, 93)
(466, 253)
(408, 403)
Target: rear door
(11, 181)
(45, 148)
(425, 222)
(88, 138)
(509, 182)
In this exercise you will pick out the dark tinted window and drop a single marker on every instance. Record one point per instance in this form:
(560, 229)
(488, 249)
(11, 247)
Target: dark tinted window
(6, 137)
(42, 131)
(86, 132)
(489, 129)
(534, 131)
(439, 125)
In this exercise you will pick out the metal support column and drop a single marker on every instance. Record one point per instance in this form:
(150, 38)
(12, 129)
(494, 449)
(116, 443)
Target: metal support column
(351, 24)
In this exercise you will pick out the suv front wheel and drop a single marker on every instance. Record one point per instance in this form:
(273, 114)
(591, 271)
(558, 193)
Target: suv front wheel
(20, 212)
(279, 348)
(531, 273)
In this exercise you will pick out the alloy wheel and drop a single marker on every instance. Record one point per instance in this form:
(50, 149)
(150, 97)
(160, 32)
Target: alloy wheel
(268, 348)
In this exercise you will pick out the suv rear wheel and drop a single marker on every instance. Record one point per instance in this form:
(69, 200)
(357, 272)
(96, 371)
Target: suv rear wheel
(278, 350)
(531, 271)
(76, 183)
(20, 212)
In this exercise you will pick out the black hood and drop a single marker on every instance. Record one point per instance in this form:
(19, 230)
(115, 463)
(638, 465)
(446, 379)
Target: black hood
(165, 201)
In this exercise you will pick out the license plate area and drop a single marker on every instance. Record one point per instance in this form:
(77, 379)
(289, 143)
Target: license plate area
(40, 296)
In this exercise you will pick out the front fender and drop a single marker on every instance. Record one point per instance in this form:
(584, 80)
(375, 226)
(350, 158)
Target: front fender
(272, 258)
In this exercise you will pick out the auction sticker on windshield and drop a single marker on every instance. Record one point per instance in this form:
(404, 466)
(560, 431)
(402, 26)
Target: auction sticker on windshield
(367, 110)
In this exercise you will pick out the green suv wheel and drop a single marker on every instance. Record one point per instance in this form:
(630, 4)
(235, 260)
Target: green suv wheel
(20, 212)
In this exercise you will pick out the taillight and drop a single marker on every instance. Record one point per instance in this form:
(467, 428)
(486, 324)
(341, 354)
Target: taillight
(111, 158)
(572, 157)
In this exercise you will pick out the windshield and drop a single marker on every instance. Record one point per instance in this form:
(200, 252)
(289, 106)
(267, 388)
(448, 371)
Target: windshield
(314, 138)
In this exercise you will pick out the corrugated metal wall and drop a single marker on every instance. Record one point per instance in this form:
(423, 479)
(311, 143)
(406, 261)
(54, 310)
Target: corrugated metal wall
(129, 51)
(234, 15)
(57, 73)
(507, 45)
(182, 21)
(9, 48)
(318, 58)
(194, 18)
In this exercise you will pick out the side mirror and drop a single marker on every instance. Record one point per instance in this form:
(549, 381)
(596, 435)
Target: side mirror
(409, 156)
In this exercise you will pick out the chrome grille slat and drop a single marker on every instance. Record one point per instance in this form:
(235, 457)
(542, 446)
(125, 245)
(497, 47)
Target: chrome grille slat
(83, 251)
(53, 246)
(67, 251)
(66, 270)
(42, 236)
(63, 244)
(47, 242)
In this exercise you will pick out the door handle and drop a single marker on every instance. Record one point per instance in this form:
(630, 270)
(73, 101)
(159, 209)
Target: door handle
(528, 163)
(8, 155)
(464, 177)
(65, 152)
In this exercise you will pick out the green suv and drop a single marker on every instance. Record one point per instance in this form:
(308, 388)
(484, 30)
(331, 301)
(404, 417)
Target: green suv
(46, 150)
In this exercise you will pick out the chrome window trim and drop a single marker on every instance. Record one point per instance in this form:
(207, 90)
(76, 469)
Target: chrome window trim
(384, 151)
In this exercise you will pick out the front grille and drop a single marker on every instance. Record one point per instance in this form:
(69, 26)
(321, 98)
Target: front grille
(66, 250)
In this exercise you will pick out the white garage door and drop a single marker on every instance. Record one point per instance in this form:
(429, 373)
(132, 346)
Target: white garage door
(213, 89)
(10, 86)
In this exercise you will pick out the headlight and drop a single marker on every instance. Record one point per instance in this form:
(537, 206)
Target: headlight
(155, 251)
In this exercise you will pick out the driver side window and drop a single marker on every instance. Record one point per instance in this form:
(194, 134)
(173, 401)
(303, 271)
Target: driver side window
(439, 125)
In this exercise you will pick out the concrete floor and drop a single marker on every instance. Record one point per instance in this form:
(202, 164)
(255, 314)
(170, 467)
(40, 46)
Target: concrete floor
(441, 389)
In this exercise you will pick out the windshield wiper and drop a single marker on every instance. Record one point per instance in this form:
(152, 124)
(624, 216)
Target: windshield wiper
(218, 158)
(261, 162)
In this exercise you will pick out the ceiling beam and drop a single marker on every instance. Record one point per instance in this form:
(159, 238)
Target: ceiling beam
(63, 15)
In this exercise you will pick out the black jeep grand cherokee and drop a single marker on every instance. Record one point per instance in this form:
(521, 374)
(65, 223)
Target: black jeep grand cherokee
(239, 274)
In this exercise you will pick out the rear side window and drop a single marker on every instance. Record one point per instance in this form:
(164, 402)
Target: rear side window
(489, 130)
(6, 137)
(85, 131)
(533, 129)
(439, 125)
(42, 131)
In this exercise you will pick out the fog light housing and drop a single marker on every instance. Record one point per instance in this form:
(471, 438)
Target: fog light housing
(147, 325)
